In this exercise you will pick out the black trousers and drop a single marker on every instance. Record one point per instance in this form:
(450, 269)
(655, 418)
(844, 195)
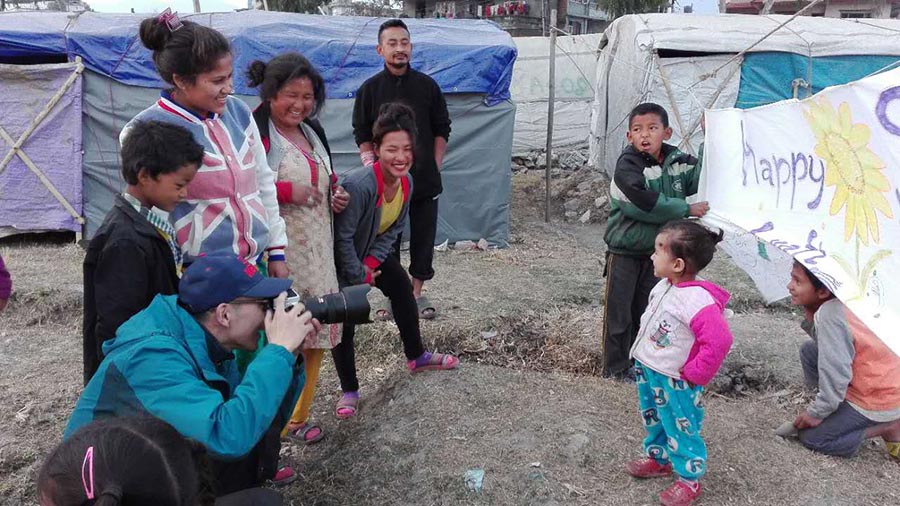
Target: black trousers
(395, 285)
(252, 497)
(629, 281)
(423, 214)
(252, 470)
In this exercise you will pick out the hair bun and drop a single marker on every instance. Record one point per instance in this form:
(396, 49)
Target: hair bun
(256, 73)
(716, 236)
(154, 34)
(396, 111)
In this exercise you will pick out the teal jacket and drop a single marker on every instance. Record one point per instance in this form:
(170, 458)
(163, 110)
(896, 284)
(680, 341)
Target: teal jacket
(161, 364)
(645, 195)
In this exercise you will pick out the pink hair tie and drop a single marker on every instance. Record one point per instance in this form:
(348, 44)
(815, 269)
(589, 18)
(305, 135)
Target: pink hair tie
(89, 464)
(170, 19)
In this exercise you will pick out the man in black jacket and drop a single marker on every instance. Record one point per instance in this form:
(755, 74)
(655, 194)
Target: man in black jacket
(398, 82)
(134, 256)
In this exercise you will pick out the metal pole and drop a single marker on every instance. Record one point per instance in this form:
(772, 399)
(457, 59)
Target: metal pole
(543, 18)
(550, 104)
(196, 6)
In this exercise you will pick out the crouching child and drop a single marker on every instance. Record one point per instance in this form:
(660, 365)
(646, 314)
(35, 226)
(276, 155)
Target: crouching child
(856, 374)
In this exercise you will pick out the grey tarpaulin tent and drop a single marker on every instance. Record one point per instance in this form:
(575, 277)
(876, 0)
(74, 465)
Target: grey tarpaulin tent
(472, 61)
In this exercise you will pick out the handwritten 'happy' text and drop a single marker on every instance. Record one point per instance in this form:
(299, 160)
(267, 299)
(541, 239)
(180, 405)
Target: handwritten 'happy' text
(783, 173)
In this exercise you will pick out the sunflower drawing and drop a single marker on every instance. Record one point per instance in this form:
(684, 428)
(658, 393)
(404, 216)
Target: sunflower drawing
(852, 168)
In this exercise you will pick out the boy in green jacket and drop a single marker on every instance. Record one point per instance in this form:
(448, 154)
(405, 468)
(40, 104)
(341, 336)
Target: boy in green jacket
(648, 190)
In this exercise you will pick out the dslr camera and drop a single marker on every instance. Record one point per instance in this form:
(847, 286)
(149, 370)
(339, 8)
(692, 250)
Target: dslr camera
(349, 305)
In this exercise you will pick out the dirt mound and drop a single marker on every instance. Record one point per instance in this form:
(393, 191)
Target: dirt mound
(533, 310)
(555, 439)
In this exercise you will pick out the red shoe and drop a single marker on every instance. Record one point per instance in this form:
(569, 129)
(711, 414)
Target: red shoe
(679, 494)
(284, 476)
(648, 468)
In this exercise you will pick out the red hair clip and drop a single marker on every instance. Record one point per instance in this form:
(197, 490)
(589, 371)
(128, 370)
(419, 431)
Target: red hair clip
(170, 19)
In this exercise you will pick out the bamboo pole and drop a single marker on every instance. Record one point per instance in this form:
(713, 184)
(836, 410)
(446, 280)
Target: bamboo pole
(17, 145)
(665, 80)
(550, 103)
(40, 175)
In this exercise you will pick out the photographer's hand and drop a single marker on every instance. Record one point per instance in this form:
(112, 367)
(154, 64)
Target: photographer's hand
(289, 328)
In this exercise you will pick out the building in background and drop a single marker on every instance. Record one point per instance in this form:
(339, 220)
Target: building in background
(45, 5)
(368, 8)
(882, 9)
(518, 17)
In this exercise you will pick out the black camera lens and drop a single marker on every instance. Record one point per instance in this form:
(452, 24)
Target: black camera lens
(350, 305)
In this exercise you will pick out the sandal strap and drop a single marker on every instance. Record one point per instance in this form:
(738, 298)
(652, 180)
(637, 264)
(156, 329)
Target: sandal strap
(446, 358)
(347, 402)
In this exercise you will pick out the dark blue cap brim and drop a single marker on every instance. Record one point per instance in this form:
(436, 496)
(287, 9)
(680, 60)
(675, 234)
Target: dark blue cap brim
(268, 288)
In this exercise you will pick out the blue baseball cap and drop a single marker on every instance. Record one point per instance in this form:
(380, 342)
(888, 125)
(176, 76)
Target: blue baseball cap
(216, 279)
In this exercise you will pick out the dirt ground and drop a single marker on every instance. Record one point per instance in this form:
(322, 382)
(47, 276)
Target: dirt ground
(526, 406)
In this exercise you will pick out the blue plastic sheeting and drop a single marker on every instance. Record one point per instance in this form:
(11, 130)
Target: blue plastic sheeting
(32, 34)
(463, 56)
(766, 77)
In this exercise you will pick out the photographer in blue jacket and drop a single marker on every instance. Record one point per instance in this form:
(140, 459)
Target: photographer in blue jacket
(174, 360)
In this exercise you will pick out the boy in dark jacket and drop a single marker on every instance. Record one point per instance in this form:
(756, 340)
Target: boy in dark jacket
(134, 256)
(648, 190)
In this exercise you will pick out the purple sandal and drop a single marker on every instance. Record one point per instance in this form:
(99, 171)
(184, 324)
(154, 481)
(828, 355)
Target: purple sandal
(433, 362)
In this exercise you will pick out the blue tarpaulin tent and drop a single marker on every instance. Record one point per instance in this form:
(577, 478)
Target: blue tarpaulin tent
(471, 61)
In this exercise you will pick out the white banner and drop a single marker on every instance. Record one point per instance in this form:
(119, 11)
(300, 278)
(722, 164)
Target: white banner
(816, 180)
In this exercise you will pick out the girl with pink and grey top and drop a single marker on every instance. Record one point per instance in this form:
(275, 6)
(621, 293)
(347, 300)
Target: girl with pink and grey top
(682, 342)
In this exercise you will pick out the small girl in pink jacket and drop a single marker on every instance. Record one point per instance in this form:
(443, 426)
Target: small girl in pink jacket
(682, 341)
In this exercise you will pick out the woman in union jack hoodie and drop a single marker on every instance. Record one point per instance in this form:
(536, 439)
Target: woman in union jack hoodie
(231, 205)
(682, 341)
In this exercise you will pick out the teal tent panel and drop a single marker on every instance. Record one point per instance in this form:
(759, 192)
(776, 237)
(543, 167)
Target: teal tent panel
(766, 76)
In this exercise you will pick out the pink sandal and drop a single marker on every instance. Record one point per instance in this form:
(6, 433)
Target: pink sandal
(436, 362)
(347, 406)
(304, 433)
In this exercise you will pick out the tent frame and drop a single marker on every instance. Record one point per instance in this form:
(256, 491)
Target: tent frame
(16, 145)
